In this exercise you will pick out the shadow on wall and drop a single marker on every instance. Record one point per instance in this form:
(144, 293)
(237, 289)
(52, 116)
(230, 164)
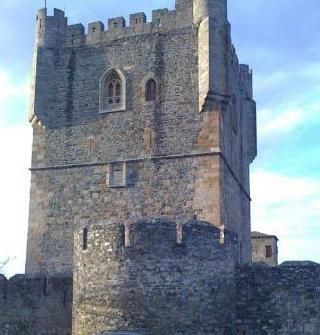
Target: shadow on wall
(155, 285)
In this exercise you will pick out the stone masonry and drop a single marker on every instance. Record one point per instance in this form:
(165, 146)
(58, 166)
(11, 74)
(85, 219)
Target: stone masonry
(186, 154)
(143, 134)
(264, 248)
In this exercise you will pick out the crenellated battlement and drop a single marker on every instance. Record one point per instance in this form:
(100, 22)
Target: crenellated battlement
(246, 79)
(50, 30)
(33, 290)
(156, 270)
(153, 234)
(27, 304)
(53, 31)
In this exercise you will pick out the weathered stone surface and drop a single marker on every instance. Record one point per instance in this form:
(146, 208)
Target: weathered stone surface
(283, 300)
(180, 163)
(146, 204)
(35, 306)
(264, 248)
(155, 286)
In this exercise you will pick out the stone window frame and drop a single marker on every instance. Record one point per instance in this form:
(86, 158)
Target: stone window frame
(110, 179)
(269, 251)
(118, 107)
(146, 78)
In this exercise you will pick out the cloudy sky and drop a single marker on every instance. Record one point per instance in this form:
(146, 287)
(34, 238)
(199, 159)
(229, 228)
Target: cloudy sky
(281, 42)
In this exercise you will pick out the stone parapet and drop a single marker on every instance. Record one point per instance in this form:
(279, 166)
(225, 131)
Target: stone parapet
(34, 306)
(152, 282)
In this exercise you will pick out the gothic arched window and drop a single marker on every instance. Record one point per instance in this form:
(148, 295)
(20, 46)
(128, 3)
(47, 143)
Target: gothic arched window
(112, 91)
(113, 83)
(151, 90)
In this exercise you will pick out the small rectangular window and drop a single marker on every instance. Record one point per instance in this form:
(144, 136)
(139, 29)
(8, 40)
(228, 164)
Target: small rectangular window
(268, 251)
(117, 175)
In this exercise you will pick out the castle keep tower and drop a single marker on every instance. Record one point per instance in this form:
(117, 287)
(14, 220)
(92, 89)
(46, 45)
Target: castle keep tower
(143, 133)
(143, 137)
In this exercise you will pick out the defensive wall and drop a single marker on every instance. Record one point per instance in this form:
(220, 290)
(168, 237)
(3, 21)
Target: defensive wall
(154, 278)
(35, 306)
(282, 300)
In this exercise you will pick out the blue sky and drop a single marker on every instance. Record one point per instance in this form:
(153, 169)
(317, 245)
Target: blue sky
(281, 42)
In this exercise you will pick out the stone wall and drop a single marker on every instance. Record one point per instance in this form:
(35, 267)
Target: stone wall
(283, 300)
(35, 306)
(142, 281)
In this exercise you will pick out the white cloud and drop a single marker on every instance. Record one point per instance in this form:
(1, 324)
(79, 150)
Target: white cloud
(271, 122)
(288, 207)
(287, 116)
(285, 78)
(266, 82)
(15, 147)
(9, 88)
(11, 92)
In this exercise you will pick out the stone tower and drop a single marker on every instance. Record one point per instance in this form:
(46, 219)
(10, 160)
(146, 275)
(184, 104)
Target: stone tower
(139, 224)
(146, 120)
(143, 137)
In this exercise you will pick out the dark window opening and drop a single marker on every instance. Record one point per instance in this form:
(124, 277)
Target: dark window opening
(45, 287)
(115, 24)
(118, 89)
(110, 90)
(268, 251)
(65, 298)
(85, 239)
(159, 22)
(136, 21)
(234, 113)
(240, 252)
(151, 90)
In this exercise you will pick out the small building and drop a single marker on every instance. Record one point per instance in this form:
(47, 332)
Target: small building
(264, 248)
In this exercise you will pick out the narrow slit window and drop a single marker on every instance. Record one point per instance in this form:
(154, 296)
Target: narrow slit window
(45, 287)
(85, 239)
(234, 113)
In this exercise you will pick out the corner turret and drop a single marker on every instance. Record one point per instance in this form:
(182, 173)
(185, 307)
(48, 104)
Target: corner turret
(216, 9)
(50, 30)
(210, 17)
